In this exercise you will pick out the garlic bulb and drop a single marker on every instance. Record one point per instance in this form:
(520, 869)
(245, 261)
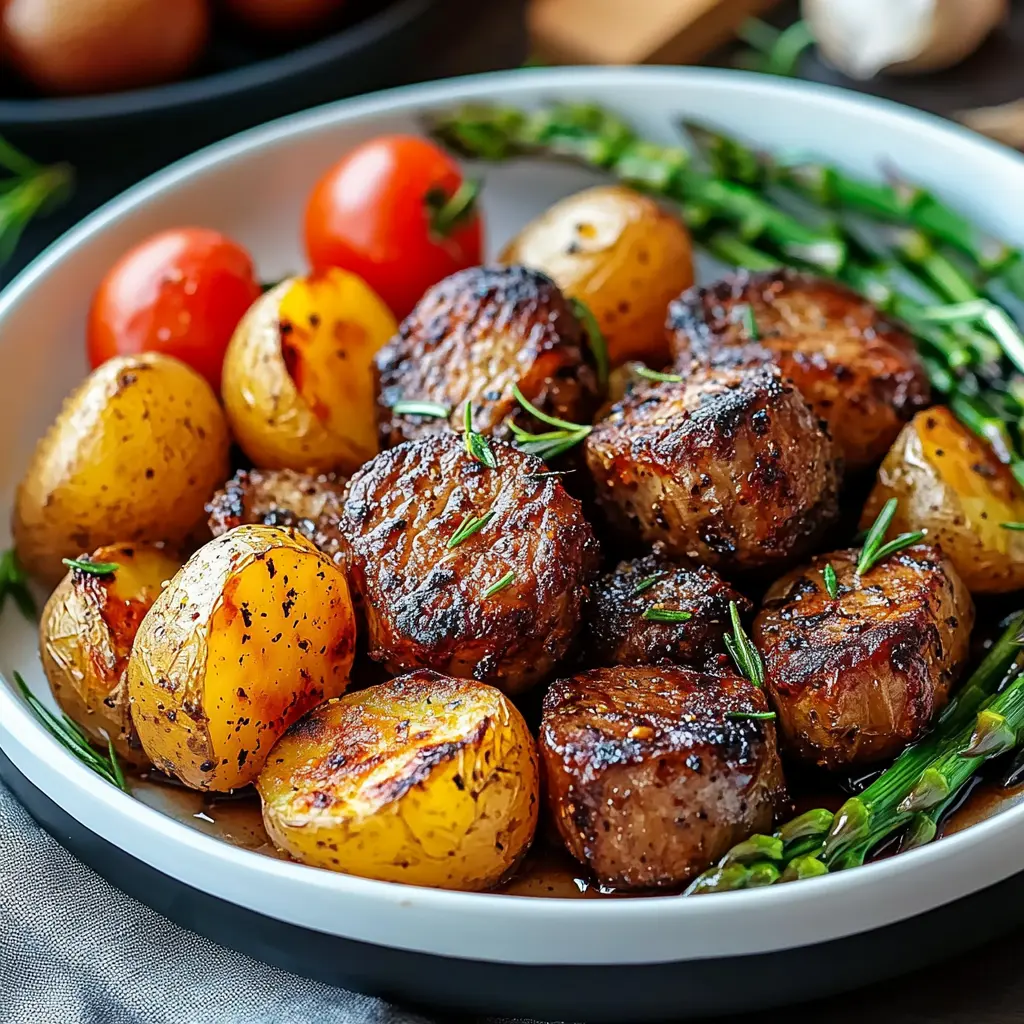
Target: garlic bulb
(863, 37)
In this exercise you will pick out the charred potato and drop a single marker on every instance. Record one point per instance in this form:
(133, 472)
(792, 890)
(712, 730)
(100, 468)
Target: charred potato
(950, 483)
(622, 255)
(254, 630)
(498, 600)
(297, 383)
(86, 635)
(473, 337)
(729, 468)
(859, 372)
(630, 618)
(856, 678)
(652, 774)
(425, 779)
(132, 458)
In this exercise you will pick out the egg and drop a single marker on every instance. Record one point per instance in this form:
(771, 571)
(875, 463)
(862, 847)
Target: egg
(94, 46)
(284, 15)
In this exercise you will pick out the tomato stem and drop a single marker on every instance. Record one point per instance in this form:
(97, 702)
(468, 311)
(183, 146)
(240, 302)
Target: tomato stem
(448, 213)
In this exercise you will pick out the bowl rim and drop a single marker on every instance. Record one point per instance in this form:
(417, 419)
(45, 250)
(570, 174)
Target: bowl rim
(878, 885)
(219, 85)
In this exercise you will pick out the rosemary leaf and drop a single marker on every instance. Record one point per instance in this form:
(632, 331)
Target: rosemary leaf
(470, 525)
(91, 567)
(831, 583)
(1012, 526)
(14, 584)
(596, 339)
(668, 378)
(646, 583)
(414, 407)
(875, 535)
(476, 444)
(749, 322)
(501, 584)
(551, 443)
(757, 716)
(742, 649)
(655, 614)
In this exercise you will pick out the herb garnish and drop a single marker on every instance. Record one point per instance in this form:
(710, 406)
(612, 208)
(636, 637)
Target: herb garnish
(14, 584)
(595, 337)
(874, 551)
(414, 407)
(655, 614)
(831, 583)
(749, 322)
(476, 444)
(91, 567)
(758, 716)
(72, 737)
(505, 581)
(742, 649)
(1012, 526)
(470, 525)
(647, 583)
(550, 444)
(668, 378)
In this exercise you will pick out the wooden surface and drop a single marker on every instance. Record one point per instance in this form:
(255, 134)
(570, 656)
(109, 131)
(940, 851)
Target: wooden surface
(986, 986)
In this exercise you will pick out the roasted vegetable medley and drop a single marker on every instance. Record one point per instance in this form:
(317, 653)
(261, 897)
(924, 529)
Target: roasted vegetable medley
(437, 554)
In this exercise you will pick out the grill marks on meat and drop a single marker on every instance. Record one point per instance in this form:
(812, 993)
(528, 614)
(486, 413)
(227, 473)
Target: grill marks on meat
(472, 337)
(857, 678)
(729, 468)
(859, 372)
(618, 634)
(648, 780)
(425, 603)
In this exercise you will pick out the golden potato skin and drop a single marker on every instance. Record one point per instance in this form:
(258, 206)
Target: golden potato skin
(134, 455)
(729, 468)
(471, 338)
(649, 778)
(254, 630)
(86, 634)
(297, 384)
(619, 252)
(859, 372)
(425, 779)
(950, 483)
(856, 678)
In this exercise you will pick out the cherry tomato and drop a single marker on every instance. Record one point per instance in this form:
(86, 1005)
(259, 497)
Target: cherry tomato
(180, 292)
(397, 212)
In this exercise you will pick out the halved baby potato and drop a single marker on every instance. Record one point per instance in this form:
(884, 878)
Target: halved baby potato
(425, 779)
(86, 635)
(950, 483)
(255, 629)
(297, 384)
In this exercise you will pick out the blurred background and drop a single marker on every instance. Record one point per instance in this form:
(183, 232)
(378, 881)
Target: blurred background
(97, 94)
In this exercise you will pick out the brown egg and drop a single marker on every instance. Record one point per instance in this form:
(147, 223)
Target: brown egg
(283, 15)
(85, 46)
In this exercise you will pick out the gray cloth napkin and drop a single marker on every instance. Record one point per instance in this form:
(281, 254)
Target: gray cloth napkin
(74, 950)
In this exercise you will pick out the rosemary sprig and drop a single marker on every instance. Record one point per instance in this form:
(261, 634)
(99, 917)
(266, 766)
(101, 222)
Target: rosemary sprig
(14, 585)
(874, 551)
(72, 737)
(548, 445)
(92, 568)
(647, 582)
(414, 407)
(831, 583)
(27, 188)
(595, 338)
(757, 716)
(476, 444)
(749, 321)
(655, 614)
(667, 378)
(470, 525)
(1012, 526)
(501, 584)
(742, 650)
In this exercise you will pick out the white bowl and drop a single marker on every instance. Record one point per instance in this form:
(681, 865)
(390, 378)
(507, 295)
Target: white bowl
(616, 958)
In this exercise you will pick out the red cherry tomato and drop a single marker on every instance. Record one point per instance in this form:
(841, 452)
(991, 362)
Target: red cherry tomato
(397, 212)
(180, 292)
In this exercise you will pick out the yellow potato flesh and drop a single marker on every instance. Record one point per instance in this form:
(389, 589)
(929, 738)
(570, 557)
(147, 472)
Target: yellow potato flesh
(425, 780)
(255, 629)
(298, 385)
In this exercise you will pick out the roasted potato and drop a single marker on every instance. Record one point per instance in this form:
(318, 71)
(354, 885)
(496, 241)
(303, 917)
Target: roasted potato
(255, 629)
(424, 779)
(622, 255)
(652, 774)
(86, 635)
(729, 468)
(950, 483)
(498, 600)
(474, 336)
(857, 677)
(859, 372)
(630, 615)
(297, 384)
(133, 457)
